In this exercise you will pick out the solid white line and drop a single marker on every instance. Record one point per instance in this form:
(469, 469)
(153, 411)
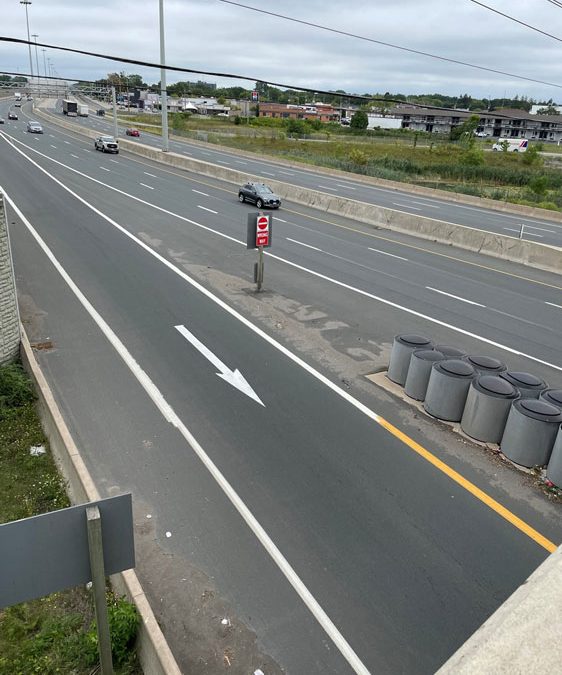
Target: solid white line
(199, 192)
(147, 186)
(325, 187)
(456, 297)
(206, 209)
(103, 168)
(300, 243)
(150, 174)
(75, 156)
(169, 414)
(553, 304)
(392, 255)
(319, 275)
(406, 206)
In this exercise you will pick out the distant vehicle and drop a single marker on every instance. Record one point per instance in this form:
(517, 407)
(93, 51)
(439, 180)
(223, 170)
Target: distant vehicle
(1, 120)
(17, 96)
(132, 132)
(29, 97)
(259, 194)
(100, 112)
(481, 134)
(83, 110)
(345, 121)
(34, 127)
(106, 144)
(513, 144)
(12, 115)
(223, 115)
(70, 108)
(17, 104)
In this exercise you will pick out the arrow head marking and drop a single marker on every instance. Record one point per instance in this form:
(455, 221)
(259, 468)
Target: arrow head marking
(236, 379)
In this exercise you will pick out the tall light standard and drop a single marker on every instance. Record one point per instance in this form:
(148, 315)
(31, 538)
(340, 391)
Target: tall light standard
(163, 93)
(35, 36)
(26, 3)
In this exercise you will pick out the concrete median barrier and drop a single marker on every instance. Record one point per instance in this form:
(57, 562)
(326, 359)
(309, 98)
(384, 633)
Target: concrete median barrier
(542, 256)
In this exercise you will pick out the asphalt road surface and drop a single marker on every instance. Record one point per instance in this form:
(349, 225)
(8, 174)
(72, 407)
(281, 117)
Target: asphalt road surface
(284, 519)
(541, 230)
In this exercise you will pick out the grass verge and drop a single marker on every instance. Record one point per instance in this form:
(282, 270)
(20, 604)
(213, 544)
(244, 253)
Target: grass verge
(55, 634)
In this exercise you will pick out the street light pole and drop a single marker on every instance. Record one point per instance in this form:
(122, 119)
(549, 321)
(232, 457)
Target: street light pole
(35, 36)
(163, 93)
(26, 3)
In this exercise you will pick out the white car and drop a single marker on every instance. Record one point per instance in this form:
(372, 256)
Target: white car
(106, 144)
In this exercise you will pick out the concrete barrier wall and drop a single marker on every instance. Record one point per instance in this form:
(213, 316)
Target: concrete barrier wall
(496, 245)
(523, 636)
(153, 650)
(9, 316)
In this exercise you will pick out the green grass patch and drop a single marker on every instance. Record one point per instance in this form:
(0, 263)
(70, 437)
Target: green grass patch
(55, 634)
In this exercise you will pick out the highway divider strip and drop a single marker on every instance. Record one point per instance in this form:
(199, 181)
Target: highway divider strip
(548, 258)
(153, 651)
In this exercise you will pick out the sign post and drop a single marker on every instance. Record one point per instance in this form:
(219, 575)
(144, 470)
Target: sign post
(95, 546)
(259, 234)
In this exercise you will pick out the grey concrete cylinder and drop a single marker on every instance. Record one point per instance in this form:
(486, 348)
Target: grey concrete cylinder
(450, 352)
(530, 431)
(552, 396)
(402, 349)
(487, 407)
(485, 364)
(419, 371)
(554, 468)
(447, 389)
(529, 385)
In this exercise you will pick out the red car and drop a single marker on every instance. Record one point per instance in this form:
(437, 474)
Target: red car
(132, 132)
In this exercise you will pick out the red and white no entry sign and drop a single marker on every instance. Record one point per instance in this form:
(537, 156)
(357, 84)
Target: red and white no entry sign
(262, 231)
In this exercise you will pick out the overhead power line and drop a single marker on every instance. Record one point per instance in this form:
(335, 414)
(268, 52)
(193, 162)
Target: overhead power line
(387, 44)
(522, 23)
(556, 3)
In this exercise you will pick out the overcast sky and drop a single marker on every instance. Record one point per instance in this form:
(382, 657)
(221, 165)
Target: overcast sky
(213, 36)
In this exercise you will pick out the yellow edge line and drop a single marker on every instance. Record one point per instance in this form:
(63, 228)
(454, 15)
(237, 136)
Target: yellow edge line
(470, 487)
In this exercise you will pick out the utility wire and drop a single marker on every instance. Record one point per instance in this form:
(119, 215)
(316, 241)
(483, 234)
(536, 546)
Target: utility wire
(386, 44)
(556, 3)
(522, 23)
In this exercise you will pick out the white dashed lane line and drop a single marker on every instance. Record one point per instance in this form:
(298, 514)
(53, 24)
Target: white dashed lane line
(406, 206)
(240, 162)
(325, 187)
(220, 161)
(392, 255)
(147, 186)
(279, 220)
(149, 174)
(114, 161)
(300, 243)
(53, 146)
(553, 304)
(103, 168)
(286, 173)
(346, 187)
(84, 149)
(199, 192)
(429, 206)
(206, 209)
(67, 142)
(75, 156)
(266, 173)
(455, 297)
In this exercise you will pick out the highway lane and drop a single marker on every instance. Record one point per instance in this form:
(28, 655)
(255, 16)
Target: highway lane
(542, 230)
(511, 318)
(327, 490)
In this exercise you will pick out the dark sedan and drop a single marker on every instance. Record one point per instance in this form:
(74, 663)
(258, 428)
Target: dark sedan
(259, 194)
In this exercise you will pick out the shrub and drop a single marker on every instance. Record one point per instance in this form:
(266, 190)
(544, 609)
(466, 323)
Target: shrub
(15, 387)
(472, 157)
(123, 624)
(539, 185)
(358, 157)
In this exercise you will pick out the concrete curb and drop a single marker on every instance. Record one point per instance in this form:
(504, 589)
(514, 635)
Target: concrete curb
(154, 653)
(522, 637)
(548, 258)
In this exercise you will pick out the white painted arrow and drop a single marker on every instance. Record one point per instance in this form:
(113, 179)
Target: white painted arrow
(233, 377)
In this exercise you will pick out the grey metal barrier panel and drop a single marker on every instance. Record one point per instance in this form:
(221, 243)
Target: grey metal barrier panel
(49, 552)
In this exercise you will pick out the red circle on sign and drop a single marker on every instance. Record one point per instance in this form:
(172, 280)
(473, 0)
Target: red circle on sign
(263, 222)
